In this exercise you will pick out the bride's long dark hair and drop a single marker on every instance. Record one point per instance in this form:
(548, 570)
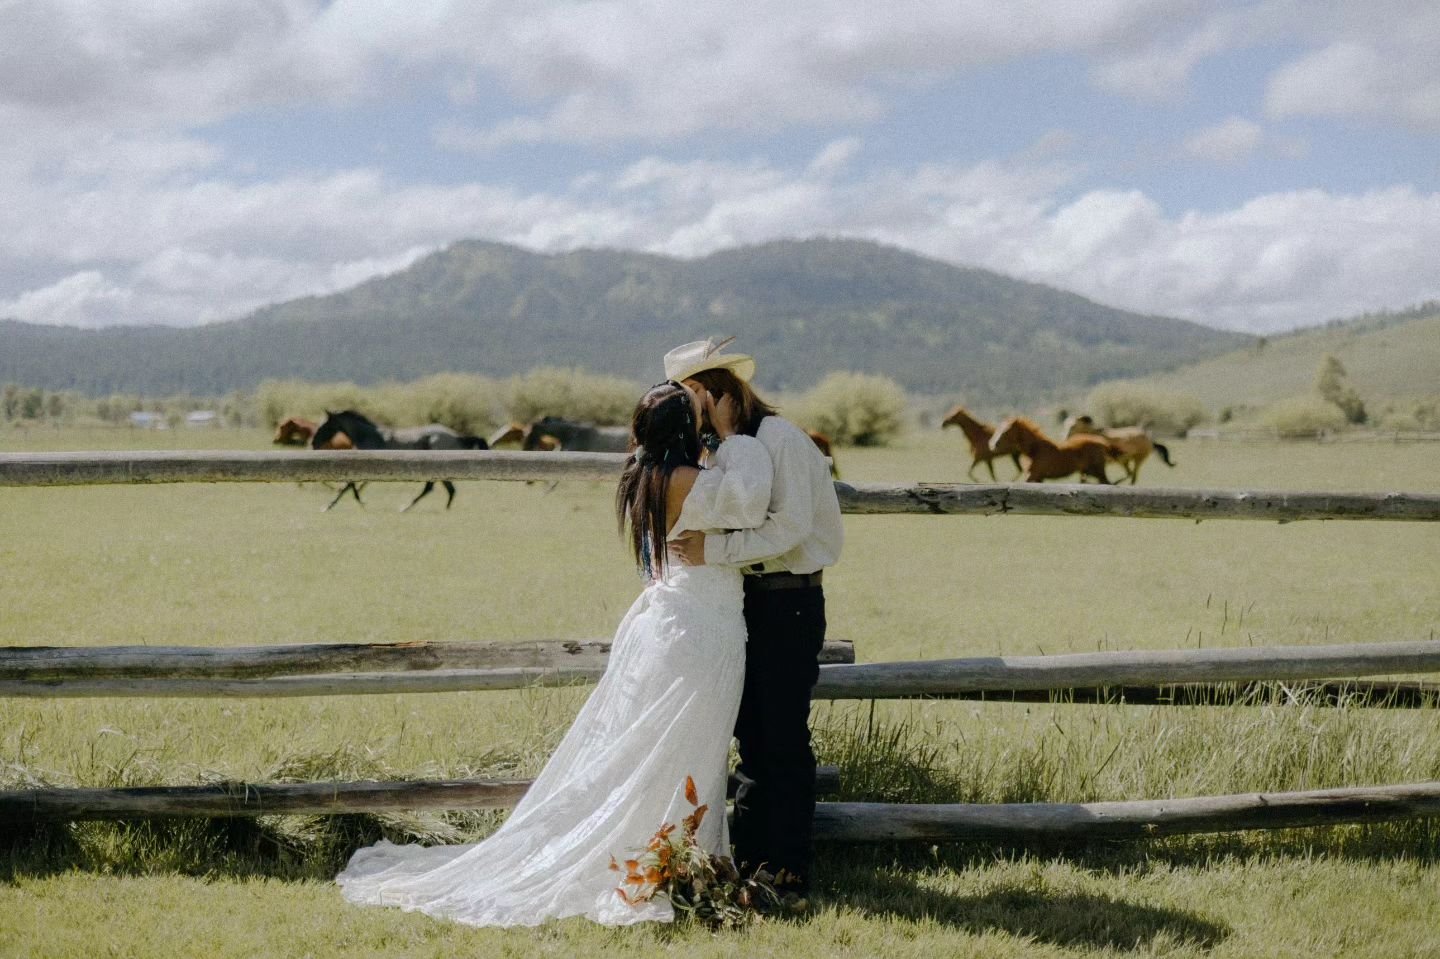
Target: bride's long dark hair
(665, 435)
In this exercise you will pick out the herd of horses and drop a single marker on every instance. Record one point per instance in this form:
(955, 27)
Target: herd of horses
(351, 430)
(1086, 448)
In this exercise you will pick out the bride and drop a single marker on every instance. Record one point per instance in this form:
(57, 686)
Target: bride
(663, 710)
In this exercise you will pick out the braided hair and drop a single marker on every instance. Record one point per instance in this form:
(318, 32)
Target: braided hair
(665, 435)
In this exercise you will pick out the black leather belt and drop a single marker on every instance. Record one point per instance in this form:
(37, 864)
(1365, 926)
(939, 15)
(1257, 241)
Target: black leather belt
(782, 580)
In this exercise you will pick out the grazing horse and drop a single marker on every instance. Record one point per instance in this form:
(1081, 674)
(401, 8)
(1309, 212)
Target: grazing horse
(295, 431)
(365, 435)
(1133, 444)
(979, 434)
(575, 437)
(1051, 460)
(824, 444)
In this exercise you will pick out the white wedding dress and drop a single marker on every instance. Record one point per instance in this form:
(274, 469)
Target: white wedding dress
(664, 709)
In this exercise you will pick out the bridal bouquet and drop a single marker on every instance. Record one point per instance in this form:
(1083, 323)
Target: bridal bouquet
(707, 887)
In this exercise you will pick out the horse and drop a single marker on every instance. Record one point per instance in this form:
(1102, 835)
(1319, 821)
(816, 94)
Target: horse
(515, 433)
(1085, 455)
(979, 435)
(365, 435)
(1132, 442)
(824, 444)
(575, 437)
(295, 431)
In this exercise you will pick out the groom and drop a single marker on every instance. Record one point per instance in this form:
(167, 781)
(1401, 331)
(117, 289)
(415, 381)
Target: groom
(782, 561)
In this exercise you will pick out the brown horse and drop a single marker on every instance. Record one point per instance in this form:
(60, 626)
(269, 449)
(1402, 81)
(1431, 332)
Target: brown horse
(515, 433)
(295, 431)
(1132, 443)
(979, 434)
(1085, 455)
(825, 445)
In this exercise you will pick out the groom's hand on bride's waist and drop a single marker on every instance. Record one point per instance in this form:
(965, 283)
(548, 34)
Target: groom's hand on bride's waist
(689, 548)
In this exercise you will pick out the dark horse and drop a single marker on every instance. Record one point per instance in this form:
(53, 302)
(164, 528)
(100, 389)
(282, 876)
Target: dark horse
(365, 435)
(576, 437)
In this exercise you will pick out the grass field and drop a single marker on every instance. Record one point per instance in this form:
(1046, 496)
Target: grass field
(1394, 362)
(243, 564)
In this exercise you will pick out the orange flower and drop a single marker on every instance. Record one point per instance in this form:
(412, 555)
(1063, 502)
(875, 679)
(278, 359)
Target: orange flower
(690, 792)
(692, 821)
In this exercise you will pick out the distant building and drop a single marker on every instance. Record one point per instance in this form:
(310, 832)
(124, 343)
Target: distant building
(200, 418)
(143, 420)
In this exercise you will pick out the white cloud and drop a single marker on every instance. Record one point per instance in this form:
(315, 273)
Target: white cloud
(1159, 68)
(1228, 142)
(111, 188)
(187, 288)
(193, 252)
(1356, 79)
(654, 70)
(835, 156)
(85, 299)
(1276, 262)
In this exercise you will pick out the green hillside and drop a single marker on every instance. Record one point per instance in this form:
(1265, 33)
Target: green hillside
(804, 308)
(1388, 358)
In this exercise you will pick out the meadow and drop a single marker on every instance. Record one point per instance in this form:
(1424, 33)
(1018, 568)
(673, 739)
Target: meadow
(241, 564)
(1392, 365)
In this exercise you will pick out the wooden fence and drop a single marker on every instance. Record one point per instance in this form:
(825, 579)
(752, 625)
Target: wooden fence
(1185, 676)
(89, 469)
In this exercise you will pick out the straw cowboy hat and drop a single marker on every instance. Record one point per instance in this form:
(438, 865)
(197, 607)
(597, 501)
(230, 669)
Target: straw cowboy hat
(685, 361)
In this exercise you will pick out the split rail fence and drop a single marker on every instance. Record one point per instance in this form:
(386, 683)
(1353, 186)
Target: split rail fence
(1317, 674)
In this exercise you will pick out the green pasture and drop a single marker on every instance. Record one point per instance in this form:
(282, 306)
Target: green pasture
(244, 564)
(1385, 362)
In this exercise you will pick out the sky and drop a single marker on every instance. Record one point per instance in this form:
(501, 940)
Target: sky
(1256, 166)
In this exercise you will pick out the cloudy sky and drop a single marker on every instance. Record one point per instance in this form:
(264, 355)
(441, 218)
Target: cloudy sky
(1254, 165)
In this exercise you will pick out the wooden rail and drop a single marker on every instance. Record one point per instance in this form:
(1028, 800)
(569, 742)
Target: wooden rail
(95, 468)
(317, 669)
(1383, 694)
(1059, 499)
(240, 466)
(1195, 676)
(834, 822)
(264, 799)
(1141, 819)
(1000, 674)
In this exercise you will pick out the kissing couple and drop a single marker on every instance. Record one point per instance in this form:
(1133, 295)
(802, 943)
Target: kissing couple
(726, 635)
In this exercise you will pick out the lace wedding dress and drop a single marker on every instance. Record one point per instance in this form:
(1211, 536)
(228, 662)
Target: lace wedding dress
(663, 710)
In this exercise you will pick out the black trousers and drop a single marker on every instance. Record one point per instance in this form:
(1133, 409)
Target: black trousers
(775, 803)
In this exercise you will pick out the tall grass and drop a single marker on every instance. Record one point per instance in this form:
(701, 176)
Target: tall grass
(246, 564)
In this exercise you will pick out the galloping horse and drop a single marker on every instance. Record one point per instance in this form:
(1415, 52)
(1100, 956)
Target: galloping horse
(365, 435)
(1050, 460)
(295, 431)
(576, 437)
(1132, 443)
(515, 433)
(979, 435)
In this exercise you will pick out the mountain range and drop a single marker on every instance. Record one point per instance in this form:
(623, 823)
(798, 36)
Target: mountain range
(802, 307)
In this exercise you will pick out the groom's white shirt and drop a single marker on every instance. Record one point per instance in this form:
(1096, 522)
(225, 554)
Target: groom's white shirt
(801, 531)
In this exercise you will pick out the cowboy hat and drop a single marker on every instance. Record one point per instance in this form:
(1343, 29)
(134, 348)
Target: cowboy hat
(685, 361)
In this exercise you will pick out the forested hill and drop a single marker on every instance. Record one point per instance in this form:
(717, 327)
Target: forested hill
(803, 307)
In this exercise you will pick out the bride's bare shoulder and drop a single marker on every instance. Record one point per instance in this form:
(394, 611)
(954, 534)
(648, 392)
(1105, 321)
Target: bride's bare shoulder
(682, 478)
